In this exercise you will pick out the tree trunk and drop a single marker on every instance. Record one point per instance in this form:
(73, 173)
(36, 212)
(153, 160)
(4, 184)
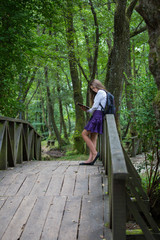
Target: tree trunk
(51, 110)
(128, 78)
(79, 125)
(118, 62)
(69, 121)
(150, 11)
(48, 125)
(118, 57)
(92, 55)
(62, 121)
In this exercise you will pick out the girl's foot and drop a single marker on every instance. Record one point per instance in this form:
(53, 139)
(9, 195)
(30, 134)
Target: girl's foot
(93, 162)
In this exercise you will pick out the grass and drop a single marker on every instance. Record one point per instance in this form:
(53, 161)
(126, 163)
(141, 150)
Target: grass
(134, 232)
(70, 154)
(75, 157)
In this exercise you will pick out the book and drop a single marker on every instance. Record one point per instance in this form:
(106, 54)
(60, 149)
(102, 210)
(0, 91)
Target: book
(83, 106)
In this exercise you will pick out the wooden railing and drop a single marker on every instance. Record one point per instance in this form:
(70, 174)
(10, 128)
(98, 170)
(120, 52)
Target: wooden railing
(18, 142)
(115, 167)
(124, 188)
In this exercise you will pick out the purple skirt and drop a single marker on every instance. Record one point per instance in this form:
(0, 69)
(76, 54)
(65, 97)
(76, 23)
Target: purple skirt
(95, 124)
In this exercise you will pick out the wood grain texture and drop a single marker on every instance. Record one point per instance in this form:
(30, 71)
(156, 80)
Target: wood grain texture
(52, 200)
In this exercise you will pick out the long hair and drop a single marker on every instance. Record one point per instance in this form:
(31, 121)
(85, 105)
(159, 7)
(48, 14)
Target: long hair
(97, 84)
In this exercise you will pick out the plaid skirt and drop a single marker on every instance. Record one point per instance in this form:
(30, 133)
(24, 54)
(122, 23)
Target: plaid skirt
(95, 124)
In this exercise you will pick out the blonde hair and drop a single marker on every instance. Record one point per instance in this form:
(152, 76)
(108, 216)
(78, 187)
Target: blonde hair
(97, 84)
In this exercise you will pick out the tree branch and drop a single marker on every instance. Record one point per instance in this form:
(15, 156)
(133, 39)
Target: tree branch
(136, 32)
(33, 93)
(89, 55)
(97, 41)
(29, 84)
(130, 8)
(83, 72)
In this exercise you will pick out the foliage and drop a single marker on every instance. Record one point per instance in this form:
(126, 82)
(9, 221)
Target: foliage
(144, 91)
(33, 36)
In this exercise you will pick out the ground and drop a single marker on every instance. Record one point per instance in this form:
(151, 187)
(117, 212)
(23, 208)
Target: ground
(51, 153)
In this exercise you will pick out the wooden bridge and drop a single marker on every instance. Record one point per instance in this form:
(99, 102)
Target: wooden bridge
(61, 200)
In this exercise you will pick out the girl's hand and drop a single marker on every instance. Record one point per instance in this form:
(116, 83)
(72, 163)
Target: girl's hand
(83, 108)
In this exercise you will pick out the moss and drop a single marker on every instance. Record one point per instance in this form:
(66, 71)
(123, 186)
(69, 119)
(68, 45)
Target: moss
(157, 100)
(134, 232)
(158, 42)
(78, 142)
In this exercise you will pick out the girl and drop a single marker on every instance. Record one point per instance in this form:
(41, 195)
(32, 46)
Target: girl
(98, 96)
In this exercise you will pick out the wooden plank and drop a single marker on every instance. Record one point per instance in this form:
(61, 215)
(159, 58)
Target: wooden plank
(106, 199)
(41, 185)
(36, 221)
(2, 174)
(135, 176)
(7, 181)
(2, 201)
(68, 185)
(141, 237)
(81, 186)
(118, 209)
(27, 185)
(55, 185)
(107, 231)
(118, 162)
(47, 167)
(54, 218)
(139, 219)
(61, 169)
(3, 145)
(72, 168)
(91, 221)
(7, 212)
(19, 220)
(81, 169)
(144, 208)
(95, 185)
(17, 121)
(92, 169)
(15, 185)
(70, 221)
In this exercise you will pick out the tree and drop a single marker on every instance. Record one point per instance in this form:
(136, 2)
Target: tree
(15, 49)
(117, 61)
(78, 141)
(149, 10)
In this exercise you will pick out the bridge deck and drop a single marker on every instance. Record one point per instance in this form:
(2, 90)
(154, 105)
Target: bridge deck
(53, 200)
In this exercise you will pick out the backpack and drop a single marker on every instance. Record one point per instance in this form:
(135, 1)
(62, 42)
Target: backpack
(110, 105)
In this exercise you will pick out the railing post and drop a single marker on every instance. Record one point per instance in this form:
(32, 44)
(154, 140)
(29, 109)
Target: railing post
(18, 142)
(18, 147)
(25, 143)
(104, 143)
(115, 168)
(37, 143)
(118, 209)
(11, 156)
(3, 145)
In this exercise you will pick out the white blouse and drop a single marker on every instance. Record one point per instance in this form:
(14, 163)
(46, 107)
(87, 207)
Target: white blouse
(100, 97)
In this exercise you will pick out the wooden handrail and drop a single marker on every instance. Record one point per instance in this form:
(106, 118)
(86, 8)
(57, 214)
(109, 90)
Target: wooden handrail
(18, 142)
(124, 185)
(115, 167)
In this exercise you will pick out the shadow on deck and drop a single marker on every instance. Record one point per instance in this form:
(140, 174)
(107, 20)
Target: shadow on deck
(53, 200)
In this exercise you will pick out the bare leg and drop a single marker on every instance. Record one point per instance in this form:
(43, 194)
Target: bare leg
(90, 157)
(94, 138)
(91, 143)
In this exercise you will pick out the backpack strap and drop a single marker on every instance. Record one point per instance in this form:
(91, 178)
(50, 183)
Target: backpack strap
(103, 108)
